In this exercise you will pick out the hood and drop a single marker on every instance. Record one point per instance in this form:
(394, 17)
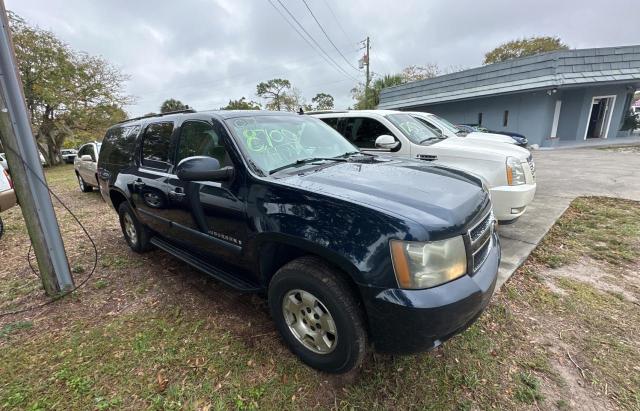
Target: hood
(436, 197)
(498, 138)
(470, 148)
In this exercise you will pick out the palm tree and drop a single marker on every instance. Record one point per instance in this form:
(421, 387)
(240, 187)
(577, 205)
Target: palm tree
(389, 80)
(172, 105)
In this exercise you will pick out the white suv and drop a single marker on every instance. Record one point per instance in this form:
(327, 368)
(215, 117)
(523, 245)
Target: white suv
(85, 165)
(507, 170)
(7, 195)
(449, 130)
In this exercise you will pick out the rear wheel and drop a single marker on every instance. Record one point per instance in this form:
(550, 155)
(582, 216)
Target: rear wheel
(84, 187)
(318, 315)
(136, 234)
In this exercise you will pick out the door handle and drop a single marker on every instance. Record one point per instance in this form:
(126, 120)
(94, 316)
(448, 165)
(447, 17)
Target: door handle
(178, 193)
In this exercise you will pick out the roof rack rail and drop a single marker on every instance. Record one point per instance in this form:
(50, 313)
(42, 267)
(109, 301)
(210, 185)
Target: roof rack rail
(325, 111)
(186, 110)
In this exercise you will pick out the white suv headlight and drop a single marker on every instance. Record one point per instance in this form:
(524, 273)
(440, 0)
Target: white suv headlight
(427, 264)
(515, 172)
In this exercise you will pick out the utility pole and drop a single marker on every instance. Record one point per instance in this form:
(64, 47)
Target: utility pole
(26, 171)
(365, 62)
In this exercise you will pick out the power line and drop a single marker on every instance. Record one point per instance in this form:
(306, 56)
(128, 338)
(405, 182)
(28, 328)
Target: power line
(346, 36)
(308, 35)
(327, 36)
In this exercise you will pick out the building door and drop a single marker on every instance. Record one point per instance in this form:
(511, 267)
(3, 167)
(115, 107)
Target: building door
(600, 117)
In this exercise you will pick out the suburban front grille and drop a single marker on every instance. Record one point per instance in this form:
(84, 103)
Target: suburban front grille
(476, 232)
(532, 166)
(481, 254)
(480, 240)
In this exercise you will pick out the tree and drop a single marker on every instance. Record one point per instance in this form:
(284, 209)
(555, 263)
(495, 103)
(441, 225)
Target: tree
(65, 91)
(415, 73)
(322, 101)
(172, 104)
(293, 100)
(275, 92)
(524, 47)
(388, 80)
(242, 104)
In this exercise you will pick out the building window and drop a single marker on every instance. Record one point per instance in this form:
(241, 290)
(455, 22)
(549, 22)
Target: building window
(479, 119)
(505, 118)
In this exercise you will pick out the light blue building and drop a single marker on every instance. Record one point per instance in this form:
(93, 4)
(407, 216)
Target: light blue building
(552, 98)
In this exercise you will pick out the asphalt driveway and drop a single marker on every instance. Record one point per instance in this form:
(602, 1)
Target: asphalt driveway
(563, 175)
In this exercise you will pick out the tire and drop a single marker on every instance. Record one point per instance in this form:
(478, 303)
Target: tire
(1, 227)
(335, 352)
(136, 234)
(84, 187)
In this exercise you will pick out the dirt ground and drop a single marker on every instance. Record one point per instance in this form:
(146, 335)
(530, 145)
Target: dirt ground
(147, 332)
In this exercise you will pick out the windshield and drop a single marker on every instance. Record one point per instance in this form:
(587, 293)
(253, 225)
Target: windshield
(446, 124)
(273, 142)
(415, 130)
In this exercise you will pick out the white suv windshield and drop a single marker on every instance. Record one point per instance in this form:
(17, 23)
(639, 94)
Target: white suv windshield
(415, 130)
(446, 124)
(275, 141)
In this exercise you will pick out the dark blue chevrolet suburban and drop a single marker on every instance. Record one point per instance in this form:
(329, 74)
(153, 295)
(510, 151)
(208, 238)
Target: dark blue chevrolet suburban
(349, 248)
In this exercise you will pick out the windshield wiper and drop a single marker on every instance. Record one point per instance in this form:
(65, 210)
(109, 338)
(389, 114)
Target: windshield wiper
(305, 161)
(354, 153)
(432, 138)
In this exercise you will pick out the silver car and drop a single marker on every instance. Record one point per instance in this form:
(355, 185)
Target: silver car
(86, 166)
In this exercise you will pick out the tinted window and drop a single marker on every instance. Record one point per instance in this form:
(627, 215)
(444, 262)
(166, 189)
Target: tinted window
(363, 131)
(155, 145)
(333, 122)
(198, 138)
(87, 150)
(119, 144)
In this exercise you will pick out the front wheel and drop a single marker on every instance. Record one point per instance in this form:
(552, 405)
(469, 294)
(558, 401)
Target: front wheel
(317, 315)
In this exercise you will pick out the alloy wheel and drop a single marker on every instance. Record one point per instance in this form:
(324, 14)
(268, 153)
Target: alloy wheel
(310, 321)
(130, 229)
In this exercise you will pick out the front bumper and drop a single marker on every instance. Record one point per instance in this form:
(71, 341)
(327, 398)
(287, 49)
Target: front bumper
(510, 202)
(408, 321)
(7, 199)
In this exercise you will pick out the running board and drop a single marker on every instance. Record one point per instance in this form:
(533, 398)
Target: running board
(197, 262)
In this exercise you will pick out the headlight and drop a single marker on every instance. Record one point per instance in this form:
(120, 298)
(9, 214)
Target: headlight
(424, 265)
(515, 172)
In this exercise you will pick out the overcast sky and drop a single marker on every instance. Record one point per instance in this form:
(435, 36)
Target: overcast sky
(205, 52)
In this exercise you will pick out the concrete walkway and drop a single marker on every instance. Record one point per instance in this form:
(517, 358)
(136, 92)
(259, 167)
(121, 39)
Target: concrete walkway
(563, 175)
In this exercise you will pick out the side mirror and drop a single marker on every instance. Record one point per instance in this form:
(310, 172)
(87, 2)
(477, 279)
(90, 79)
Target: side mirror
(387, 142)
(202, 168)
(86, 157)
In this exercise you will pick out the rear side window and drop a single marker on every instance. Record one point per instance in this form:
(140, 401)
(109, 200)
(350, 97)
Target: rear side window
(363, 131)
(87, 150)
(333, 122)
(118, 145)
(155, 145)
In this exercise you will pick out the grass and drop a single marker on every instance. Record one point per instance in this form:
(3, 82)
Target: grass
(148, 333)
(598, 227)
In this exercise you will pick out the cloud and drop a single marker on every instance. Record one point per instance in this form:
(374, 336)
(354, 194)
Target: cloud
(205, 52)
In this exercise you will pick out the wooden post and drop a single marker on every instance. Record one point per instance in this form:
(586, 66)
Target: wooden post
(26, 171)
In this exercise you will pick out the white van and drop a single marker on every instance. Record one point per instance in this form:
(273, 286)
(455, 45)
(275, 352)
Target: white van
(507, 170)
